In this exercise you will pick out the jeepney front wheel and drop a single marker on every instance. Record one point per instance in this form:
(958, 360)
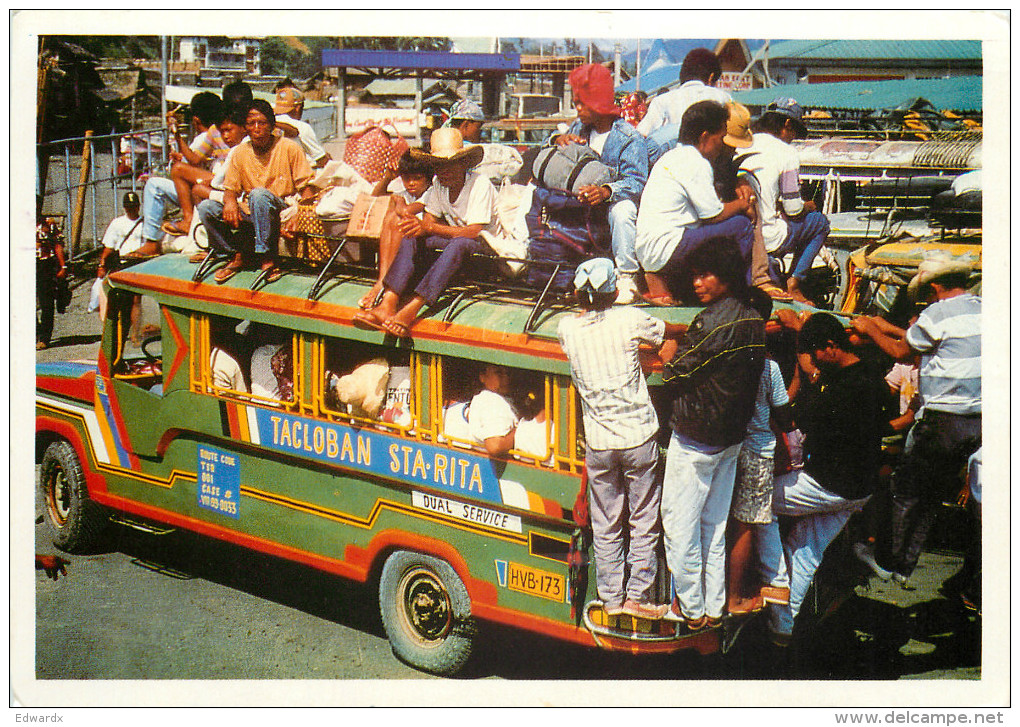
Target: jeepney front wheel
(426, 612)
(76, 523)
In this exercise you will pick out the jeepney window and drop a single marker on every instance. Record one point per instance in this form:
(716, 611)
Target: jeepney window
(255, 361)
(365, 383)
(138, 352)
(501, 396)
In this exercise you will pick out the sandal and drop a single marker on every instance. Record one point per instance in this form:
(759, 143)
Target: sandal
(225, 274)
(662, 301)
(398, 329)
(274, 275)
(367, 321)
(198, 257)
(171, 229)
(775, 292)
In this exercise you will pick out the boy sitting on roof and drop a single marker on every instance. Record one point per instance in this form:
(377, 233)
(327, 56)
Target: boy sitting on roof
(262, 171)
(460, 218)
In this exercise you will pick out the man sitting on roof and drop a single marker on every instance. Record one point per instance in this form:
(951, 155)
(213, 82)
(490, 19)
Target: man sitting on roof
(698, 74)
(621, 148)
(289, 106)
(499, 161)
(262, 172)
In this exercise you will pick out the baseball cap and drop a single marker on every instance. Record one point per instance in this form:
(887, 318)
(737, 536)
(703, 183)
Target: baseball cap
(792, 110)
(597, 275)
(131, 200)
(287, 99)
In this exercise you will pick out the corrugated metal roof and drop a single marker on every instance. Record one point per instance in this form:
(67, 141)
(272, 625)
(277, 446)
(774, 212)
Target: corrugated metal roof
(960, 93)
(876, 50)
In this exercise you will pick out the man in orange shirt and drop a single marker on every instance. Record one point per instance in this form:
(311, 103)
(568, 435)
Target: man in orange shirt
(261, 173)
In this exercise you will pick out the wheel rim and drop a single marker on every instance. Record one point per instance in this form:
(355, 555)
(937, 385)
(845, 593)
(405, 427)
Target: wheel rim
(58, 496)
(425, 612)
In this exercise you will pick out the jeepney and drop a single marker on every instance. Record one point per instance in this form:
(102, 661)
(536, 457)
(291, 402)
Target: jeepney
(151, 437)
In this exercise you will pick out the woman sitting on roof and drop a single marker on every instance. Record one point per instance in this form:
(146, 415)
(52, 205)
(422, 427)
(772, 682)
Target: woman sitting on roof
(459, 218)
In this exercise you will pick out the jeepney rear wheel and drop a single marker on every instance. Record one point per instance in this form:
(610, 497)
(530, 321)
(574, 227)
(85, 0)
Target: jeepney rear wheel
(76, 523)
(426, 612)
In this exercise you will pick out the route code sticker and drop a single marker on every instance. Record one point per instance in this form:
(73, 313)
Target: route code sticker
(219, 481)
(534, 582)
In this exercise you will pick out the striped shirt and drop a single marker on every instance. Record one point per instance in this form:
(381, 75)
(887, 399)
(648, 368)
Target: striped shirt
(947, 334)
(760, 438)
(603, 350)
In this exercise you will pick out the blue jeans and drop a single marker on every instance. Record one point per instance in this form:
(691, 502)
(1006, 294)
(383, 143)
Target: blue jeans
(414, 256)
(820, 515)
(158, 191)
(738, 228)
(262, 225)
(804, 238)
(623, 228)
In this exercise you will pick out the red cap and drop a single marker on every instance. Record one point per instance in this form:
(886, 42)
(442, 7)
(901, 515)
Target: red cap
(592, 85)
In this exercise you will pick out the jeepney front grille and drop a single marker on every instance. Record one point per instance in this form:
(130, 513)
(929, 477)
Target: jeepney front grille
(952, 151)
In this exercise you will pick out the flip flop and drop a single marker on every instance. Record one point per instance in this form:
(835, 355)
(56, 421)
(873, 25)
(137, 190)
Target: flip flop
(140, 256)
(662, 301)
(775, 292)
(172, 229)
(367, 321)
(198, 257)
(225, 274)
(274, 275)
(395, 327)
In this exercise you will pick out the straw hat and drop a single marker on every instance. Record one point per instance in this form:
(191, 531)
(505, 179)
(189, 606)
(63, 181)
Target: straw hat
(933, 268)
(738, 126)
(447, 145)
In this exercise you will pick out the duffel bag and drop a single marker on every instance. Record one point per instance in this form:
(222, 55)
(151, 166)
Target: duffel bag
(546, 253)
(555, 214)
(569, 168)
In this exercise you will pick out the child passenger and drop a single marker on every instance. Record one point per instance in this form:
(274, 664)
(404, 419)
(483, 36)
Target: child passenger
(409, 183)
(620, 425)
(460, 211)
(714, 378)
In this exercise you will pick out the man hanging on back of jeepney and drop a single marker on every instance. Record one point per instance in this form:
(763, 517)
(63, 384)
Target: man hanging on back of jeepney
(262, 172)
(620, 424)
(680, 207)
(947, 336)
(698, 75)
(600, 125)
(789, 224)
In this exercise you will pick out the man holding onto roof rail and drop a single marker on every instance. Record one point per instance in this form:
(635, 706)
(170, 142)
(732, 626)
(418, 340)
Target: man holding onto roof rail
(262, 172)
(599, 124)
(789, 224)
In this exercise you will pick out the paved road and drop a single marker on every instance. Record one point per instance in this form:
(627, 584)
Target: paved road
(182, 607)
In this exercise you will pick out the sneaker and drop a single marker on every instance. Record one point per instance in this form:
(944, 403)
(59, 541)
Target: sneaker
(616, 610)
(673, 612)
(864, 554)
(775, 594)
(650, 611)
(627, 290)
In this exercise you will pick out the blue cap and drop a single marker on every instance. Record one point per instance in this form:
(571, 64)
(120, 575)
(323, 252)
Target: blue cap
(597, 275)
(792, 110)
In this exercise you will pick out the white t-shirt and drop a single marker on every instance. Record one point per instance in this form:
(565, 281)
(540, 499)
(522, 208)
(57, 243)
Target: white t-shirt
(306, 137)
(226, 372)
(476, 205)
(490, 415)
(680, 192)
(263, 380)
(775, 169)
(123, 234)
(669, 107)
(598, 141)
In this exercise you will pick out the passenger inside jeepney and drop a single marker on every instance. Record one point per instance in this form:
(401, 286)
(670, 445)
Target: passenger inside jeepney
(272, 364)
(226, 349)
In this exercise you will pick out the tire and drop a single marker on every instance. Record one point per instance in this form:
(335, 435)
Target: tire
(76, 524)
(426, 612)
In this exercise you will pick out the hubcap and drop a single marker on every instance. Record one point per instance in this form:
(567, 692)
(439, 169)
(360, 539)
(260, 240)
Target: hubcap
(426, 612)
(58, 497)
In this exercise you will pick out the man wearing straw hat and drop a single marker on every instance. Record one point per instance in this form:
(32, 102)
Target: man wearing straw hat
(947, 337)
(459, 218)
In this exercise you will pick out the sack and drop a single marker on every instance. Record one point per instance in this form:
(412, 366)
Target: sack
(570, 167)
(499, 162)
(373, 151)
(95, 296)
(562, 230)
(368, 214)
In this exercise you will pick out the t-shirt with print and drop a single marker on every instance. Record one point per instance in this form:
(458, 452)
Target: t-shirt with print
(680, 192)
(760, 438)
(903, 379)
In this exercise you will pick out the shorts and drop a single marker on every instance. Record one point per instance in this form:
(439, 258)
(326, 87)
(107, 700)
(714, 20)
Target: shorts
(752, 494)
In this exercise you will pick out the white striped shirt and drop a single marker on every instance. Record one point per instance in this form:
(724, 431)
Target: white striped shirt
(947, 334)
(603, 350)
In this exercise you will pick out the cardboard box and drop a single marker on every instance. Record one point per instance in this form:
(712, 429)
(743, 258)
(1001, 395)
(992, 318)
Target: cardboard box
(368, 215)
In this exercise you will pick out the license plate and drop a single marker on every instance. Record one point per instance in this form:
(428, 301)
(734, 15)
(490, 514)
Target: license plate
(536, 582)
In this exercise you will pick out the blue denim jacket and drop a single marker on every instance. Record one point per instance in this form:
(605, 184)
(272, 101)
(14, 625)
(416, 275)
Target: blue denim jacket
(626, 154)
(660, 141)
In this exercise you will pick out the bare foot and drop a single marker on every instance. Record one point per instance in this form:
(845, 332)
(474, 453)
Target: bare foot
(793, 288)
(367, 301)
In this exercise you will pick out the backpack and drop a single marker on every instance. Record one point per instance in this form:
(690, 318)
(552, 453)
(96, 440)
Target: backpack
(569, 168)
(562, 229)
